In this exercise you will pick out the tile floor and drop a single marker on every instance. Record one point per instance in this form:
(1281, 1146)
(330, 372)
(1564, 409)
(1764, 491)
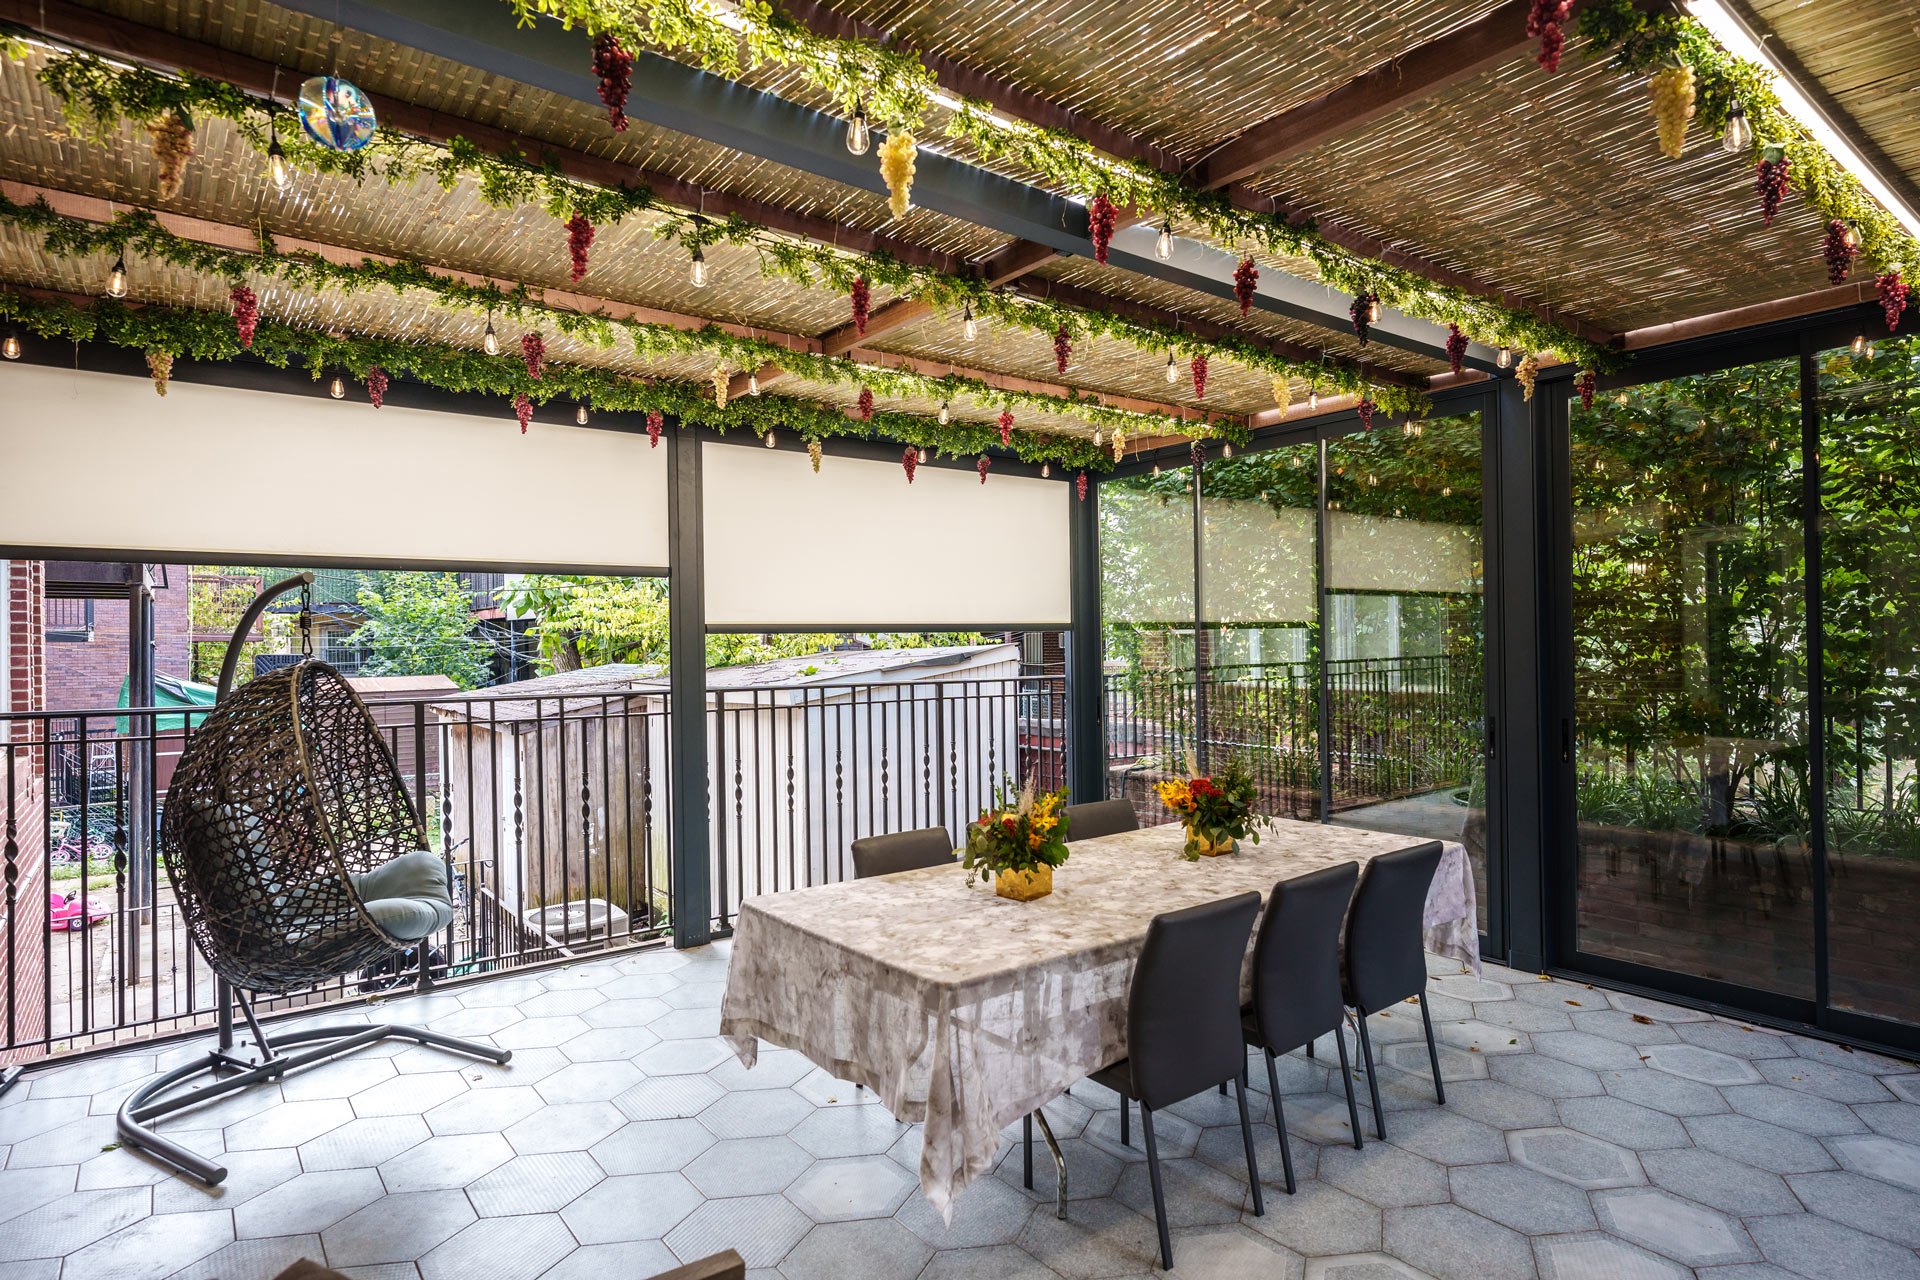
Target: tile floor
(1586, 1136)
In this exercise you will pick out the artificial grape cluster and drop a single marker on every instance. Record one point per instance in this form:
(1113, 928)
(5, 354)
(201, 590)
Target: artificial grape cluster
(1080, 486)
(614, 68)
(1893, 292)
(981, 466)
(523, 410)
(1198, 367)
(1101, 216)
(865, 404)
(862, 297)
(896, 167)
(1366, 409)
(1361, 310)
(1456, 348)
(246, 313)
(1672, 92)
(813, 455)
(1006, 426)
(1841, 250)
(1770, 181)
(1589, 383)
(1246, 278)
(719, 378)
(579, 240)
(533, 349)
(172, 148)
(377, 383)
(656, 422)
(910, 462)
(1062, 347)
(1527, 374)
(1545, 22)
(160, 369)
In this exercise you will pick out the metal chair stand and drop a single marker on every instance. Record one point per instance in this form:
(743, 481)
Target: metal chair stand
(233, 1070)
(1059, 1160)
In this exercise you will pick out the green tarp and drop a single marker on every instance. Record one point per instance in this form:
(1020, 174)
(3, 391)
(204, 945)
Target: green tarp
(169, 691)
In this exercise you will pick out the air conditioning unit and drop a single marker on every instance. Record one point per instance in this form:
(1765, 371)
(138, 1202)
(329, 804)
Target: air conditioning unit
(584, 921)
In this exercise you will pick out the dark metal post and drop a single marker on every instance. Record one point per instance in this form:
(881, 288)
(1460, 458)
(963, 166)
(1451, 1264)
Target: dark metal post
(142, 850)
(1534, 761)
(687, 693)
(1816, 670)
(1322, 684)
(1086, 727)
(1202, 657)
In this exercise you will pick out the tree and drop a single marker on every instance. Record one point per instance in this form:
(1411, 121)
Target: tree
(420, 624)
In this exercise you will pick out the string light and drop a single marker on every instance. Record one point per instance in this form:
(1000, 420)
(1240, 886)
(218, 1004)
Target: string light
(11, 347)
(1156, 468)
(279, 171)
(1860, 344)
(490, 341)
(1163, 247)
(1870, 351)
(1505, 358)
(946, 413)
(697, 269)
(753, 384)
(1226, 450)
(1173, 370)
(337, 388)
(858, 136)
(969, 329)
(1738, 135)
(1373, 308)
(580, 415)
(1313, 400)
(923, 455)
(770, 440)
(1099, 437)
(117, 278)
(1046, 470)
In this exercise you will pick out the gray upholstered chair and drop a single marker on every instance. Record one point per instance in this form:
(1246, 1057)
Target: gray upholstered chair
(901, 851)
(1098, 818)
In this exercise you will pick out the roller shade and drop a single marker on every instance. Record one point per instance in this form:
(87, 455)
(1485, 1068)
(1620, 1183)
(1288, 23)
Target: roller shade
(1259, 563)
(1374, 553)
(95, 460)
(1146, 557)
(857, 546)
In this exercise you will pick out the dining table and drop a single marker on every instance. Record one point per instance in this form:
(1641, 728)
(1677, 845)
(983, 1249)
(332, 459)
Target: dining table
(963, 1011)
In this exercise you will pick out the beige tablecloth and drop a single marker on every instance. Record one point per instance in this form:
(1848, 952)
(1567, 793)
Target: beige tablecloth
(964, 1011)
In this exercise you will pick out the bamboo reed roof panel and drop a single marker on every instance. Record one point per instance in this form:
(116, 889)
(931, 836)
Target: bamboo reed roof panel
(308, 46)
(1861, 54)
(965, 408)
(1554, 187)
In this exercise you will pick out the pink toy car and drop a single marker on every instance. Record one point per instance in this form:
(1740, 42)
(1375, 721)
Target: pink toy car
(68, 913)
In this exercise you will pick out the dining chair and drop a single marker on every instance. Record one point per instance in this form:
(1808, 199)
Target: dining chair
(1383, 960)
(1098, 818)
(902, 851)
(1296, 982)
(1183, 1027)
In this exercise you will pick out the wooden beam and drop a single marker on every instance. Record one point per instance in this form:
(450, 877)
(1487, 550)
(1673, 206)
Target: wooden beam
(1834, 298)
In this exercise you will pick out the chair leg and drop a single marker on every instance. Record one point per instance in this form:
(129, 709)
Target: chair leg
(1126, 1111)
(1026, 1144)
(1373, 1077)
(1246, 1137)
(1223, 1089)
(1433, 1053)
(1346, 1078)
(1280, 1121)
(1309, 1048)
(1159, 1195)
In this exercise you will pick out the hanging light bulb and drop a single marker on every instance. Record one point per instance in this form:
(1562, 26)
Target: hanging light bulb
(770, 441)
(1738, 135)
(11, 347)
(117, 278)
(923, 455)
(753, 384)
(1850, 234)
(580, 415)
(697, 269)
(1046, 470)
(858, 137)
(968, 328)
(279, 171)
(1173, 369)
(1373, 308)
(1859, 344)
(1099, 437)
(946, 413)
(1505, 358)
(1313, 400)
(1870, 351)
(1163, 247)
(490, 341)
(337, 388)
(1156, 468)
(1226, 450)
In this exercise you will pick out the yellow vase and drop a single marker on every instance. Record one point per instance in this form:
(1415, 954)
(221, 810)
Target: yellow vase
(1207, 848)
(1024, 886)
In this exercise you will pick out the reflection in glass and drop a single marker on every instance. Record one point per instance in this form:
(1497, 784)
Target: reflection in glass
(1870, 587)
(1405, 634)
(1689, 680)
(1147, 606)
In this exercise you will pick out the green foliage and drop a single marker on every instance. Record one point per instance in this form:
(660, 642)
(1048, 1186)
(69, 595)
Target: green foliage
(420, 624)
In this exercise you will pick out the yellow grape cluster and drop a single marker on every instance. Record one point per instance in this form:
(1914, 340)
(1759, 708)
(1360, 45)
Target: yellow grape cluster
(896, 167)
(1526, 374)
(720, 378)
(172, 148)
(1672, 90)
(1282, 393)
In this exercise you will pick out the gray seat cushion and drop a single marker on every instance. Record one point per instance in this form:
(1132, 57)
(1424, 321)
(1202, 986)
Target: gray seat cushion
(408, 896)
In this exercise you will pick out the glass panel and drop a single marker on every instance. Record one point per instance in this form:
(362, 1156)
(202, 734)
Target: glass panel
(1689, 680)
(1146, 598)
(1406, 640)
(1257, 586)
(1870, 549)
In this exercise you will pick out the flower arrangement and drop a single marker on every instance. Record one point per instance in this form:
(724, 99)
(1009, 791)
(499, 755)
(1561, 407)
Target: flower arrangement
(1216, 809)
(1017, 842)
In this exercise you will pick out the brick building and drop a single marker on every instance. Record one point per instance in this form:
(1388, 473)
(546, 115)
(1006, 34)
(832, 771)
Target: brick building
(23, 909)
(86, 642)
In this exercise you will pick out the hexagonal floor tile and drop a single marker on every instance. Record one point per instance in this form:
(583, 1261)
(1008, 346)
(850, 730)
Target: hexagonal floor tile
(843, 1190)
(154, 1246)
(1478, 1036)
(1453, 1244)
(1319, 1219)
(668, 1098)
(1905, 1087)
(1599, 1257)
(877, 1249)
(1548, 1077)
(1658, 1010)
(484, 1110)
(1464, 986)
(610, 1044)
(824, 1090)
(652, 1146)
(534, 1184)
(1792, 1109)
(288, 1124)
(1230, 1253)
(747, 1166)
(1641, 1128)
(1736, 1038)
(1812, 1246)
(1887, 1159)
(1836, 1084)
(503, 1247)
(1663, 1092)
(772, 1069)
(1720, 1183)
(440, 1164)
(762, 1229)
(641, 1206)
(1707, 1066)
(1680, 1229)
(682, 1057)
(72, 1222)
(848, 1131)
(1362, 1266)
(1575, 1158)
(1762, 1145)
(361, 1144)
(760, 1113)
(988, 1211)
(1100, 1238)
(1456, 1063)
(397, 1228)
(1524, 1199)
(589, 1082)
(307, 1204)
(540, 1033)
(1584, 1049)
(1865, 1204)
(1383, 1175)
(1196, 1194)
(572, 1126)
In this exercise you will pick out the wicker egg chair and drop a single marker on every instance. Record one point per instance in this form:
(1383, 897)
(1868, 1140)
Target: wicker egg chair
(296, 857)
